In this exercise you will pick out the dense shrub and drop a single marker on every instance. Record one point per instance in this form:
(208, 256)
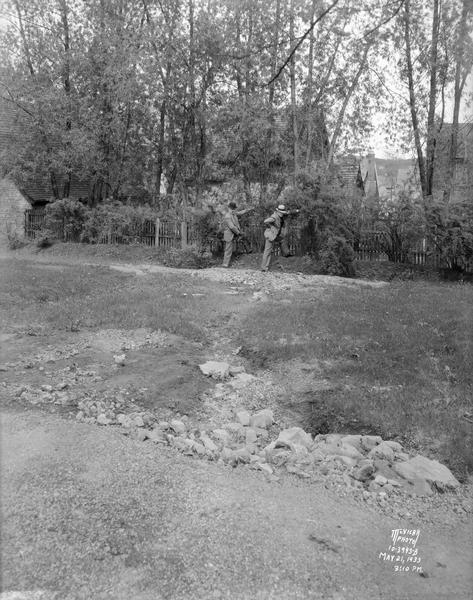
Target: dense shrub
(450, 231)
(64, 219)
(326, 235)
(401, 225)
(120, 222)
(336, 257)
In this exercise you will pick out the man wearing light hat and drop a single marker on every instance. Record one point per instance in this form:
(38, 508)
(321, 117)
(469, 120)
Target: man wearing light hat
(276, 231)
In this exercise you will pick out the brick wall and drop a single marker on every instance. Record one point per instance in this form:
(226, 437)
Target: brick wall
(12, 209)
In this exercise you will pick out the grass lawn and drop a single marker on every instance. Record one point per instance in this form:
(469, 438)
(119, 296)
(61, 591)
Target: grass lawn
(400, 355)
(403, 355)
(66, 298)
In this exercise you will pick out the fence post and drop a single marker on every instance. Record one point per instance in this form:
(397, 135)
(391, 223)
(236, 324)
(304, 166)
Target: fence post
(156, 232)
(183, 235)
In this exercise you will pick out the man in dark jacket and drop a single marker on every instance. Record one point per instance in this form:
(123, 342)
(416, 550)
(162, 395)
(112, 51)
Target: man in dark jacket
(276, 232)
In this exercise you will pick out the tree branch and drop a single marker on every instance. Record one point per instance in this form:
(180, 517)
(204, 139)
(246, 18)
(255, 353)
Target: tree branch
(293, 51)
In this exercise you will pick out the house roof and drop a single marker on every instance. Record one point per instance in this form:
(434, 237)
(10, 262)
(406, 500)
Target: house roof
(349, 172)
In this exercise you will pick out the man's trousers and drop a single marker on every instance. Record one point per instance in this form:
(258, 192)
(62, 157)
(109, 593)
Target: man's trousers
(268, 249)
(227, 254)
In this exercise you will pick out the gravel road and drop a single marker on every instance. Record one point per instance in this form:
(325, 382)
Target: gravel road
(91, 514)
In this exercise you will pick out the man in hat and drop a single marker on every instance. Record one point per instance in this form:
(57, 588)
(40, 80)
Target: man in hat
(231, 231)
(276, 231)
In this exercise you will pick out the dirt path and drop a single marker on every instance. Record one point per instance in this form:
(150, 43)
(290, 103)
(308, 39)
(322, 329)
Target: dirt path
(90, 514)
(273, 280)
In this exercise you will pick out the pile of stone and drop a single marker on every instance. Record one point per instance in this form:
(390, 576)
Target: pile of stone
(366, 463)
(47, 394)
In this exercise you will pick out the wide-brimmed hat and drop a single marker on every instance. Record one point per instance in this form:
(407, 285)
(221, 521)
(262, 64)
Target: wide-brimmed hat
(282, 209)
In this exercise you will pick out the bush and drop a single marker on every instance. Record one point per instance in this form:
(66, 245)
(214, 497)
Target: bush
(122, 222)
(65, 218)
(327, 235)
(450, 231)
(206, 226)
(401, 225)
(336, 257)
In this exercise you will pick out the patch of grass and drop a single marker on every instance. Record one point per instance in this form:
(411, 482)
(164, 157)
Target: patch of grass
(170, 257)
(97, 298)
(403, 355)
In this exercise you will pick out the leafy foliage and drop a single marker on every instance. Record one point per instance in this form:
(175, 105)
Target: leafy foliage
(401, 225)
(450, 229)
(327, 234)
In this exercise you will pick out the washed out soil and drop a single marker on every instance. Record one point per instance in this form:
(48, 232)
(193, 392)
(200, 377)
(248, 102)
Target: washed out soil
(160, 376)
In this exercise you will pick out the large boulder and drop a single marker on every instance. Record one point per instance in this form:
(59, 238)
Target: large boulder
(383, 451)
(340, 448)
(396, 446)
(419, 467)
(294, 435)
(354, 440)
(370, 441)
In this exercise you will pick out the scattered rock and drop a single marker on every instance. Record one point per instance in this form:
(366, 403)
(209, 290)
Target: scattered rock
(157, 436)
(243, 417)
(268, 469)
(139, 434)
(380, 480)
(103, 420)
(215, 369)
(294, 435)
(208, 443)
(251, 436)
(138, 421)
(241, 380)
(243, 455)
(119, 359)
(229, 456)
(236, 370)
(236, 428)
(263, 419)
(178, 426)
(364, 472)
(222, 436)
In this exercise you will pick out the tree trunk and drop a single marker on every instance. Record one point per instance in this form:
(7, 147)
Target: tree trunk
(459, 82)
(431, 129)
(341, 115)
(292, 75)
(412, 98)
(310, 76)
(67, 89)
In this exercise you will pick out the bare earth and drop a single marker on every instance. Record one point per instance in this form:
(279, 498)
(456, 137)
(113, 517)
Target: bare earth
(91, 514)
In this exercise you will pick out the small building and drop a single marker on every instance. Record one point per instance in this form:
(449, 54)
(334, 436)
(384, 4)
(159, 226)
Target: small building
(13, 203)
(16, 198)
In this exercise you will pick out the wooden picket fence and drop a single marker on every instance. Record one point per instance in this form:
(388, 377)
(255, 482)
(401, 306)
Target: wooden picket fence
(179, 234)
